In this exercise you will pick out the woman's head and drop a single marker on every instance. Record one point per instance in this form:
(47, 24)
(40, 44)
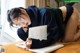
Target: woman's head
(18, 16)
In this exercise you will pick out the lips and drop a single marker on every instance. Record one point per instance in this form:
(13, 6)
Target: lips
(26, 27)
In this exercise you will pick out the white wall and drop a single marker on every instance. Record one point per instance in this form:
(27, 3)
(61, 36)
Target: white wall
(6, 5)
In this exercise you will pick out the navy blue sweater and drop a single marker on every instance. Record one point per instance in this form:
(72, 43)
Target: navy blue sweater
(44, 16)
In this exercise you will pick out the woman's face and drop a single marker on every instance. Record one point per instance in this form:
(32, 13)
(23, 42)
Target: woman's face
(23, 20)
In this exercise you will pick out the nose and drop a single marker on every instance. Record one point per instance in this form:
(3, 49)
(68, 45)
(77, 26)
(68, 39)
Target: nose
(25, 24)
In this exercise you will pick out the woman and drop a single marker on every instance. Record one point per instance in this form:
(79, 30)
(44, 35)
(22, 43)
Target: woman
(62, 23)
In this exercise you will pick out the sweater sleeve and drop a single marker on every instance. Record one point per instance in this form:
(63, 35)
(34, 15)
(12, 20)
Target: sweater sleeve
(23, 35)
(52, 31)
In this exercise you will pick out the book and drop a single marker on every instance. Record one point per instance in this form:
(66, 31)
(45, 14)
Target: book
(47, 49)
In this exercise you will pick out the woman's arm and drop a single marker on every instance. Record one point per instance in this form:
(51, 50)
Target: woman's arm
(22, 34)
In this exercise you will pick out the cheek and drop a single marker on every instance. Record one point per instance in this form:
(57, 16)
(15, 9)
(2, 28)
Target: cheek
(28, 21)
(15, 22)
(21, 25)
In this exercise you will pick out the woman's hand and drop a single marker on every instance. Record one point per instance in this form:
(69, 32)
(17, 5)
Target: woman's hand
(25, 29)
(28, 43)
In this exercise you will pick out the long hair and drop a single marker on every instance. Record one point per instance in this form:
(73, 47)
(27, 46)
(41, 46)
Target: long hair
(13, 13)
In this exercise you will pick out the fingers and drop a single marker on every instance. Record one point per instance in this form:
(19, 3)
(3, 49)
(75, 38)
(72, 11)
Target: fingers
(28, 43)
(25, 29)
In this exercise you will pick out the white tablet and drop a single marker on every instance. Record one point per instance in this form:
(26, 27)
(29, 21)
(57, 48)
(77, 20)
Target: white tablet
(38, 32)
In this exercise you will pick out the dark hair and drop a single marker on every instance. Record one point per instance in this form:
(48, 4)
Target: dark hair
(13, 13)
